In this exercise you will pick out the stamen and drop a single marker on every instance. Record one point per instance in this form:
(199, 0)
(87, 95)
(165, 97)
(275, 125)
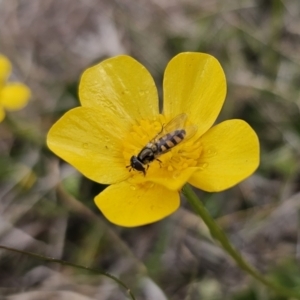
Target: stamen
(183, 155)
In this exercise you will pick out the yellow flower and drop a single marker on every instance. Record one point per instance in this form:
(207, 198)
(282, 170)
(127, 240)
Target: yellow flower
(119, 115)
(13, 96)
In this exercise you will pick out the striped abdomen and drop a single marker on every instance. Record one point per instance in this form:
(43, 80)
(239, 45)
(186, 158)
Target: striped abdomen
(170, 140)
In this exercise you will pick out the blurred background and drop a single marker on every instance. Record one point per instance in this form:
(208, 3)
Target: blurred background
(47, 207)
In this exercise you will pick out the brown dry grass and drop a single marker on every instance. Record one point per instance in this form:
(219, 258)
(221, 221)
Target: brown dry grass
(50, 43)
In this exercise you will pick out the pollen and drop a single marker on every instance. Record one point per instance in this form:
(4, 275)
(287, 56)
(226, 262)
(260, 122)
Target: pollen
(184, 154)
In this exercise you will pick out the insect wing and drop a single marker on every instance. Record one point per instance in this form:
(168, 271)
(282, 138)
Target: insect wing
(190, 132)
(176, 123)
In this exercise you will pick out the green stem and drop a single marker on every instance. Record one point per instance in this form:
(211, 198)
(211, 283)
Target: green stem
(63, 262)
(219, 235)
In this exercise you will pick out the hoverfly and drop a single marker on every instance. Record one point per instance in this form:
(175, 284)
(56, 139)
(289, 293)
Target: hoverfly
(171, 134)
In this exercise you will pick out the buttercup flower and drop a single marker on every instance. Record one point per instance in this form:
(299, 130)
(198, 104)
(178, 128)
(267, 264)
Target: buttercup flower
(119, 115)
(13, 95)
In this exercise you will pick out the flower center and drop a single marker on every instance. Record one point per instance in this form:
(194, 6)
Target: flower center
(161, 146)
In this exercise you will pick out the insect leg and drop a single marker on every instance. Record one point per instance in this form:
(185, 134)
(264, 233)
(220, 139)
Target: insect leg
(160, 162)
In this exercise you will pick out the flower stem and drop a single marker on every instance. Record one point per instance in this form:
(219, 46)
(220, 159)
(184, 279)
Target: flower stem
(218, 234)
(63, 262)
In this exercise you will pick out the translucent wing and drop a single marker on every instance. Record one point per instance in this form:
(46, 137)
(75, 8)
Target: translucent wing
(177, 123)
(190, 132)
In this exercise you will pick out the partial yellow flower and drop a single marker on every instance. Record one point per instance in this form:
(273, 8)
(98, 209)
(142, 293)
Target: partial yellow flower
(119, 115)
(13, 96)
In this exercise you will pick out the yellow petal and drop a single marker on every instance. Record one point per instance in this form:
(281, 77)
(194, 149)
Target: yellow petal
(134, 205)
(176, 181)
(121, 84)
(5, 68)
(14, 96)
(230, 154)
(172, 180)
(91, 141)
(194, 83)
(2, 114)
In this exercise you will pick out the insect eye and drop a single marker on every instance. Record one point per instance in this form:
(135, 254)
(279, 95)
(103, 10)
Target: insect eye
(138, 165)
